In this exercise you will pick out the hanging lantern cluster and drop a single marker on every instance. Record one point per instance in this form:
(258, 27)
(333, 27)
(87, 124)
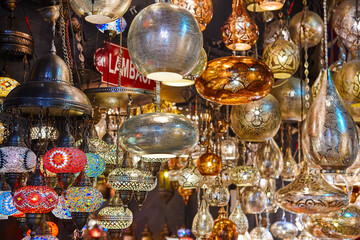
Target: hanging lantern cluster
(251, 136)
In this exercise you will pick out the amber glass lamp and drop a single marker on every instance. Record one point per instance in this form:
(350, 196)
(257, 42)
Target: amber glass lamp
(202, 10)
(235, 80)
(271, 5)
(209, 163)
(240, 32)
(224, 229)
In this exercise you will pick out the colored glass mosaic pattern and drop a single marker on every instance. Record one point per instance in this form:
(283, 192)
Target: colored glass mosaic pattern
(83, 199)
(65, 160)
(95, 165)
(35, 199)
(7, 206)
(61, 210)
(16, 159)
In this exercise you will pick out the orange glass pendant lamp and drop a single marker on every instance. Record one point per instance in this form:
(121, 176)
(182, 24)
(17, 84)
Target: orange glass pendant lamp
(271, 5)
(209, 164)
(224, 228)
(202, 10)
(235, 80)
(240, 32)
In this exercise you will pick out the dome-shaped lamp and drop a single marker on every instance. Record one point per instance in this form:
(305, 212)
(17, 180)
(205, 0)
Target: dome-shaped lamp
(240, 32)
(235, 80)
(100, 11)
(256, 121)
(49, 87)
(158, 135)
(155, 37)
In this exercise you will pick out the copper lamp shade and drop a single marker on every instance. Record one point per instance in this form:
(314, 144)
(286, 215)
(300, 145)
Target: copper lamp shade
(235, 80)
(240, 32)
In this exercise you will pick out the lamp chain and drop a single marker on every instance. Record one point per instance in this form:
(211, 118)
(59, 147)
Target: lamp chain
(326, 36)
(120, 54)
(306, 64)
(63, 41)
(118, 138)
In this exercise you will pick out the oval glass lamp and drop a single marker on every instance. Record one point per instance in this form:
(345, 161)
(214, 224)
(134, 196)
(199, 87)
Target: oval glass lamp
(235, 80)
(158, 135)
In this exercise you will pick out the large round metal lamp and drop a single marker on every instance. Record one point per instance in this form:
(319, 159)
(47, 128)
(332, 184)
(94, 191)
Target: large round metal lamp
(155, 38)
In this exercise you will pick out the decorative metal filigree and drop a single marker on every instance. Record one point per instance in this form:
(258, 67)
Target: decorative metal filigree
(330, 137)
(309, 193)
(256, 121)
(240, 32)
(282, 57)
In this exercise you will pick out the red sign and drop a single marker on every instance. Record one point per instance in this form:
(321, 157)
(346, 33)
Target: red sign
(106, 62)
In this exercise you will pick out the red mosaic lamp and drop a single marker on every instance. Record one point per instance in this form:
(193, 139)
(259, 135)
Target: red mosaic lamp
(65, 160)
(34, 200)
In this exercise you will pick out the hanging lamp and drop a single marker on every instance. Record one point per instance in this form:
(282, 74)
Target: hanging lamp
(345, 25)
(49, 87)
(65, 160)
(158, 135)
(239, 32)
(256, 121)
(282, 57)
(34, 200)
(290, 93)
(309, 193)
(155, 37)
(100, 12)
(223, 228)
(82, 199)
(330, 136)
(115, 217)
(311, 23)
(17, 159)
(235, 80)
